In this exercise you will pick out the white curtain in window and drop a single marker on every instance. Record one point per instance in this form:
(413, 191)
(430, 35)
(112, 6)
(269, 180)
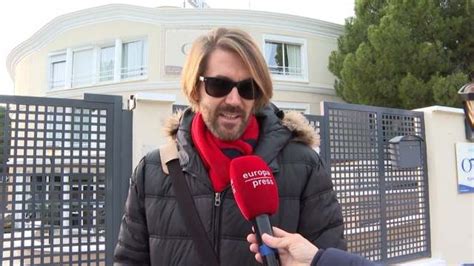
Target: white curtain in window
(58, 74)
(294, 59)
(58, 71)
(82, 67)
(132, 59)
(271, 57)
(107, 57)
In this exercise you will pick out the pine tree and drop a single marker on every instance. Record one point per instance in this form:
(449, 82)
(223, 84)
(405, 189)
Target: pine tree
(405, 53)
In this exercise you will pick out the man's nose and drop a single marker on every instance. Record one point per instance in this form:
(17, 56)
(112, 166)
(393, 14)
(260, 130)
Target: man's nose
(233, 98)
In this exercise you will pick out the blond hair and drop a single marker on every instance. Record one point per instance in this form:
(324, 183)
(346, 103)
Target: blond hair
(231, 40)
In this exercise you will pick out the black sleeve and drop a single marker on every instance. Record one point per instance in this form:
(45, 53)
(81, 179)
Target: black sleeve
(132, 246)
(321, 219)
(332, 256)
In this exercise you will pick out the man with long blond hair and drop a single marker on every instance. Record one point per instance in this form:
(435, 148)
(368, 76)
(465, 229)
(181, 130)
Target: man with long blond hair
(229, 87)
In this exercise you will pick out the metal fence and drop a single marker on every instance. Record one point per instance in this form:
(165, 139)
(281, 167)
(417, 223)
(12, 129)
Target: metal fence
(65, 167)
(385, 209)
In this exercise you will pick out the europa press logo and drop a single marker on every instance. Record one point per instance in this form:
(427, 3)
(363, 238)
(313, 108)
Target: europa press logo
(258, 178)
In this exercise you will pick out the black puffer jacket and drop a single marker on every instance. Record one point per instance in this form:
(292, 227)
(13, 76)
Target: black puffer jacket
(153, 232)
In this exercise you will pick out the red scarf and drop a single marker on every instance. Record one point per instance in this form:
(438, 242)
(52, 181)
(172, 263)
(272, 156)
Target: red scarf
(216, 154)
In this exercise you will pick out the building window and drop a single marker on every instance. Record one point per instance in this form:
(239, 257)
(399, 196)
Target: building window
(107, 63)
(57, 71)
(82, 68)
(96, 64)
(286, 57)
(133, 59)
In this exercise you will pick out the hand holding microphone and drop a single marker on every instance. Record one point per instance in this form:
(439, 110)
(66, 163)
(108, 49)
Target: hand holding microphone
(293, 249)
(256, 194)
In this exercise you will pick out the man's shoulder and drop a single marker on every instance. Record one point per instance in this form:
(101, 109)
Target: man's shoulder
(152, 157)
(299, 152)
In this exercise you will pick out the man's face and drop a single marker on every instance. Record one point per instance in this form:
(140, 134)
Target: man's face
(226, 117)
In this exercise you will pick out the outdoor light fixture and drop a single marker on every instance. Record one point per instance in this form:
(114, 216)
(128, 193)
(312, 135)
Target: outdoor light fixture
(467, 94)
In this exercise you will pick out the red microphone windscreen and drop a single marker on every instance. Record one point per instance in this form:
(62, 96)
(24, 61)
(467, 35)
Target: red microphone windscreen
(254, 186)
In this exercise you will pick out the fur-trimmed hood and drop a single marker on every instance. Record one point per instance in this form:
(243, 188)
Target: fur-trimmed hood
(296, 122)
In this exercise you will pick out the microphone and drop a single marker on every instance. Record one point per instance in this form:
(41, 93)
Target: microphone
(256, 194)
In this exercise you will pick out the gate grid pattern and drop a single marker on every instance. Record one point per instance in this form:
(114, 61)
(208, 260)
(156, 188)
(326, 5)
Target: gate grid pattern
(386, 212)
(317, 122)
(57, 174)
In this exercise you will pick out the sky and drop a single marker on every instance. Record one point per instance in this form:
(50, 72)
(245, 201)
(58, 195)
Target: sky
(20, 19)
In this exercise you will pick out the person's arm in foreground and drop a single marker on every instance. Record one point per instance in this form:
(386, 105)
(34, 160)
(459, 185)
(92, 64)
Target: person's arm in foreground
(296, 250)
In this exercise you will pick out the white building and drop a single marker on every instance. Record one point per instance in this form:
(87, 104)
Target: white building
(124, 50)
(130, 50)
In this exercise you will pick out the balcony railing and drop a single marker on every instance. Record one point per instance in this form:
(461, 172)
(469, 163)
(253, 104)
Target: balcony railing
(79, 80)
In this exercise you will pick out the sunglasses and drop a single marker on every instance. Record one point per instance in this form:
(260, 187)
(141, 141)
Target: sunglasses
(220, 87)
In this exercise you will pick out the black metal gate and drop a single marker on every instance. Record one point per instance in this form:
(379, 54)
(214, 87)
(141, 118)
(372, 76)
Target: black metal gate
(65, 166)
(385, 209)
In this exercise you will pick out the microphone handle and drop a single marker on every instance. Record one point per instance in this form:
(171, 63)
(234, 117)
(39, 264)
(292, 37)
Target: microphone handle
(262, 225)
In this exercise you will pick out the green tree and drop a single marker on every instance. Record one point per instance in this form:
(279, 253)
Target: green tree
(405, 53)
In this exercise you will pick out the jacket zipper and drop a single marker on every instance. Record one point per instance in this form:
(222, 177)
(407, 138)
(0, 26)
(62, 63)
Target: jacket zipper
(217, 205)
(218, 198)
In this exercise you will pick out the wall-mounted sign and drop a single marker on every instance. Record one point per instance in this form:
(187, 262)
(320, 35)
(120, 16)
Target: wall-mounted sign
(186, 47)
(173, 70)
(465, 167)
(178, 43)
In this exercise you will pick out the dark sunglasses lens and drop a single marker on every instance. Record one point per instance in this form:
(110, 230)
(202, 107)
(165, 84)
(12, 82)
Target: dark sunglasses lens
(216, 87)
(248, 89)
